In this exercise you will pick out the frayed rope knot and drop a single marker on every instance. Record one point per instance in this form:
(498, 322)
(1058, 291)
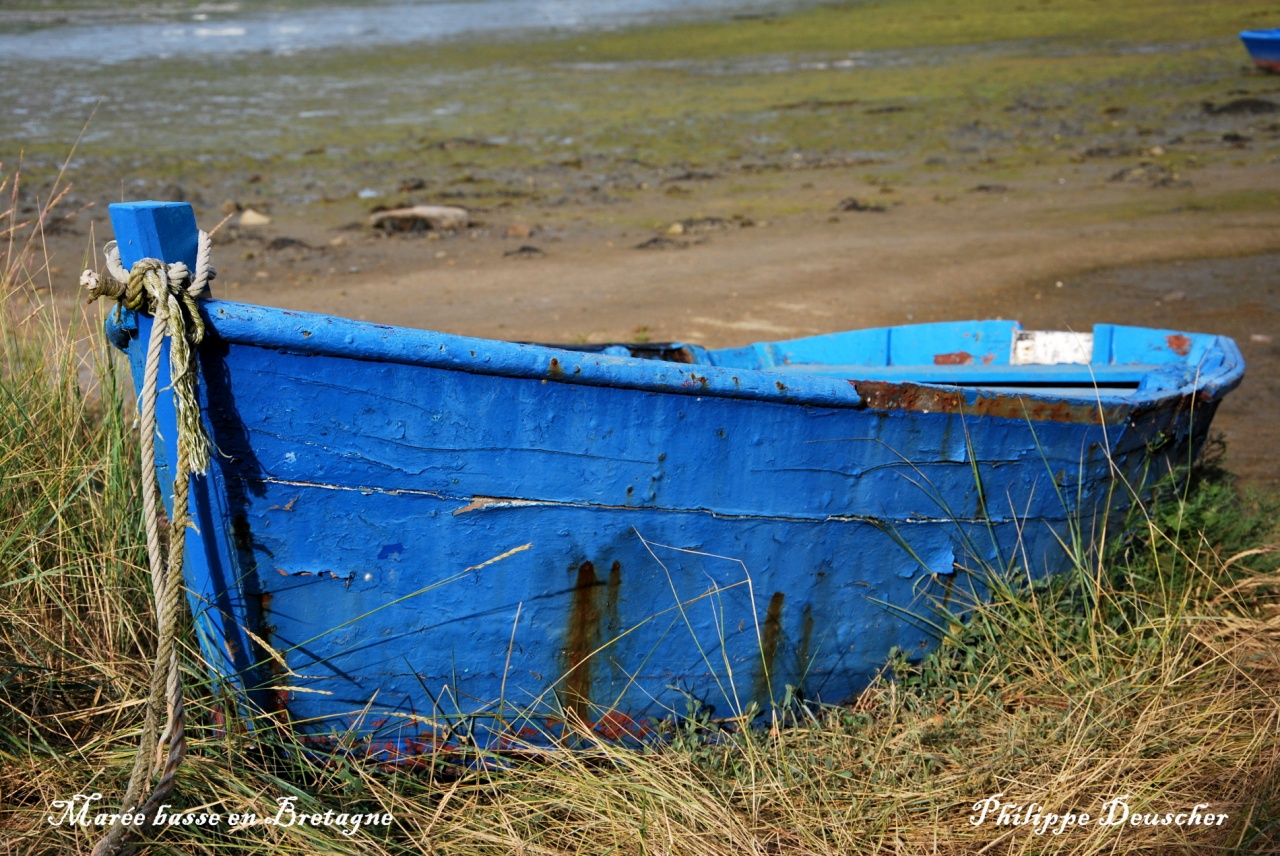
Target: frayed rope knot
(167, 292)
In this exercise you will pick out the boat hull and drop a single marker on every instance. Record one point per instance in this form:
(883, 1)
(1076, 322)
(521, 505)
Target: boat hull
(413, 540)
(1263, 47)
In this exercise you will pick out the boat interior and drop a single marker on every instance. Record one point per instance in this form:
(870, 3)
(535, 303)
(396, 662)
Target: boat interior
(997, 355)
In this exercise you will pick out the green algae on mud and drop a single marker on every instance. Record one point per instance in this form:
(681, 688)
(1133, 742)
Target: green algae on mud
(887, 84)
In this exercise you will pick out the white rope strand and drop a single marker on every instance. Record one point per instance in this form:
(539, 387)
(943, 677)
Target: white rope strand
(168, 293)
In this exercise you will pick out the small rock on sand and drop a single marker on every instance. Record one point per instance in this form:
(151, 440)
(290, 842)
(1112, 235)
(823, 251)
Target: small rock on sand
(661, 243)
(1109, 151)
(250, 218)
(691, 175)
(852, 203)
(284, 243)
(439, 218)
(519, 230)
(703, 225)
(1241, 106)
(1152, 174)
(524, 252)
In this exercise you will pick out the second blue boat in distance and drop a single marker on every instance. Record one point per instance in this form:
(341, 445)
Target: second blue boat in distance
(1263, 47)
(450, 541)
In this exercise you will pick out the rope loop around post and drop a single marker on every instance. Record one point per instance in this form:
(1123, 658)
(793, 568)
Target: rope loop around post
(167, 292)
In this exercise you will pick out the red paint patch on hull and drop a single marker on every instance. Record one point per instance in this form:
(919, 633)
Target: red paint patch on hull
(959, 358)
(615, 725)
(1178, 343)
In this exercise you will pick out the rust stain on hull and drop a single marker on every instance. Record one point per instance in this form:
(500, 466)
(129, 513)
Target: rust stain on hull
(948, 582)
(887, 395)
(582, 636)
(959, 358)
(770, 640)
(614, 621)
(806, 640)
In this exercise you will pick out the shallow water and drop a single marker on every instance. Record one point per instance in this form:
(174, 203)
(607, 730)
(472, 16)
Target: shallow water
(262, 106)
(229, 29)
(233, 81)
(242, 86)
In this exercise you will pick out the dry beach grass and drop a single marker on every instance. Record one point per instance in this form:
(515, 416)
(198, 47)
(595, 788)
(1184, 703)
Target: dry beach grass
(1149, 673)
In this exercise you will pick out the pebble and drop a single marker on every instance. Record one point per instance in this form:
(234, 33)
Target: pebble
(1240, 106)
(434, 217)
(1152, 174)
(284, 243)
(854, 204)
(251, 218)
(524, 252)
(703, 225)
(662, 244)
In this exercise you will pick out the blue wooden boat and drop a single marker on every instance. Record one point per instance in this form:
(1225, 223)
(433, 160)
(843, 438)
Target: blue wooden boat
(442, 538)
(1263, 47)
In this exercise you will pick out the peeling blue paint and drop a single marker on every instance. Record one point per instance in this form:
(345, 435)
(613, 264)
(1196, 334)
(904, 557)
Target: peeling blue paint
(440, 532)
(389, 551)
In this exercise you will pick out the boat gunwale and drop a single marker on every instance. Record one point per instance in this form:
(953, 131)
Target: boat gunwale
(309, 333)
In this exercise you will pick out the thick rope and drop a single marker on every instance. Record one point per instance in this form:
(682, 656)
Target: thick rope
(169, 294)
